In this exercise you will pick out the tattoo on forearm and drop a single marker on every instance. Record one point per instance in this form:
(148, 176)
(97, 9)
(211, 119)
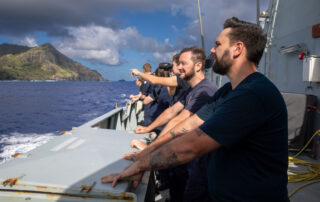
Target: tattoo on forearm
(200, 133)
(155, 161)
(173, 160)
(173, 134)
(160, 160)
(184, 130)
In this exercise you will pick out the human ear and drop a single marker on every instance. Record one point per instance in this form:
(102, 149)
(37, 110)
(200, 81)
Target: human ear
(198, 66)
(238, 48)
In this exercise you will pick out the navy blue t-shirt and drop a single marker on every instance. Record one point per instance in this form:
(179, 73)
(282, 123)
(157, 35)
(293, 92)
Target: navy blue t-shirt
(146, 88)
(161, 102)
(251, 126)
(181, 89)
(197, 96)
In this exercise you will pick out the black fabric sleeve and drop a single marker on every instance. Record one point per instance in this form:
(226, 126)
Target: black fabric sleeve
(206, 111)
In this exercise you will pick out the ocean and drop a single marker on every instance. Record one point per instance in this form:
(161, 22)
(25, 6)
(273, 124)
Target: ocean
(32, 113)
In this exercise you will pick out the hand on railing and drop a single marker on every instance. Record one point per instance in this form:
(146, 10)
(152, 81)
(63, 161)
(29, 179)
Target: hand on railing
(134, 99)
(135, 143)
(141, 129)
(115, 177)
(132, 156)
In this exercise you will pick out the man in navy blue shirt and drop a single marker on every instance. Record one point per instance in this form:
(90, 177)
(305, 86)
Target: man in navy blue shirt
(246, 137)
(176, 85)
(146, 89)
(191, 63)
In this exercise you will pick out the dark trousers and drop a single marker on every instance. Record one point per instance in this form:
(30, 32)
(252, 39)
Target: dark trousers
(178, 177)
(197, 185)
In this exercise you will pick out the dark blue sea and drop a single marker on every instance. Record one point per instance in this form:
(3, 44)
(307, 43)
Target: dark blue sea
(32, 113)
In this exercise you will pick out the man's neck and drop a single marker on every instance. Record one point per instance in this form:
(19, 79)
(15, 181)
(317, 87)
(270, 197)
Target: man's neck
(239, 72)
(196, 79)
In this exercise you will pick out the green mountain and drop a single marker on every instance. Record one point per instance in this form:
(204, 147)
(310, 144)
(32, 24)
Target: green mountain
(41, 63)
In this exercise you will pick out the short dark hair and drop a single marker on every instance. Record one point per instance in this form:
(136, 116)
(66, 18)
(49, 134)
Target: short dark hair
(250, 34)
(198, 54)
(175, 58)
(147, 67)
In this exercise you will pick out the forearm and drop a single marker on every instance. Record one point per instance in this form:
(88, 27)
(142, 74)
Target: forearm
(161, 140)
(171, 90)
(185, 114)
(162, 119)
(161, 159)
(164, 81)
(184, 126)
(179, 151)
(140, 145)
(180, 129)
(138, 96)
(148, 77)
(142, 97)
(147, 100)
(171, 124)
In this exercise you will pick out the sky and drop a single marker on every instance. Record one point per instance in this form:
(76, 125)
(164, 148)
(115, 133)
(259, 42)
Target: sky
(114, 36)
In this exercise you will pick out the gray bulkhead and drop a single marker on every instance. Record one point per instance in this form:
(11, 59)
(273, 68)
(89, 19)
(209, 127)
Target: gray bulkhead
(289, 24)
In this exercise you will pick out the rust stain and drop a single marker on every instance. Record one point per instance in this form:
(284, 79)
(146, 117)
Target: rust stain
(10, 181)
(49, 188)
(123, 196)
(16, 155)
(55, 195)
(41, 187)
(52, 196)
(86, 188)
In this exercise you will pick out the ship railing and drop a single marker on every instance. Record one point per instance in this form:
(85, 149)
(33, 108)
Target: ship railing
(122, 118)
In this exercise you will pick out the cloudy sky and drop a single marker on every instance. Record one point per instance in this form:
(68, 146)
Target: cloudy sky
(113, 36)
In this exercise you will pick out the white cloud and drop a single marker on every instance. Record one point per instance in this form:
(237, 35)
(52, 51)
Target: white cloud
(164, 57)
(214, 13)
(193, 37)
(103, 44)
(174, 28)
(96, 43)
(166, 41)
(27, 41)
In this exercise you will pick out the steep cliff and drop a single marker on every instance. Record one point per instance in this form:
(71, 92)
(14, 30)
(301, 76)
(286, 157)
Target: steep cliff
(41, 63)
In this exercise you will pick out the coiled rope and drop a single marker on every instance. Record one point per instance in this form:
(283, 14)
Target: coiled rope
(313, 172)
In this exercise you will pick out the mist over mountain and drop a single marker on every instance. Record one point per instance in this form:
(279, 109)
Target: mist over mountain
(43, 62)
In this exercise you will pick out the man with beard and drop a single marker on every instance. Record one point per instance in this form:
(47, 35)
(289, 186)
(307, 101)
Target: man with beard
(191, 63)
(246, 136)
(175, 85)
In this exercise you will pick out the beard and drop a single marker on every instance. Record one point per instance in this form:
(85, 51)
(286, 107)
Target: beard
(190, 76)
(223, 65)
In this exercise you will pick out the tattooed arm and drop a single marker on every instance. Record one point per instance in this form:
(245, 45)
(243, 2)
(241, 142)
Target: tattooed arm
(162, 119)
(179, 151)
(184, 114)
(180, 129)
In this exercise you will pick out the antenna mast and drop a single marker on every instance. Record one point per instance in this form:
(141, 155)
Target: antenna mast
(200, 20)
(258, 12)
